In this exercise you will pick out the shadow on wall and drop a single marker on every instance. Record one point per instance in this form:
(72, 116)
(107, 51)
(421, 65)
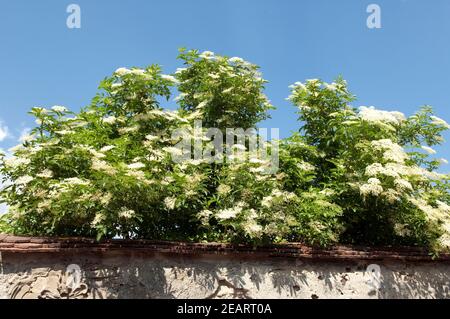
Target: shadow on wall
(111, 275)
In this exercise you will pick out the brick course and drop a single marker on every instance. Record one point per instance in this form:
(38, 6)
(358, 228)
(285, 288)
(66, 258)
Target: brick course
(18, 244)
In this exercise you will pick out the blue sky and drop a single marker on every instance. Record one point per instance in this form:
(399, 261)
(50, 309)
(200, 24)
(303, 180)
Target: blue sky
(401, 66)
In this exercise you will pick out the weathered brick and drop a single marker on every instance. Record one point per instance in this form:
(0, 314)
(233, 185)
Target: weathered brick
(294, 250)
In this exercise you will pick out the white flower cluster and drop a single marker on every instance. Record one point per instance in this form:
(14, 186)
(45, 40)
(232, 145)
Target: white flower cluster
(15, 162)
(372, 187)
(313, 87)
(109, 120)
(76, 181)
(107, 148)
(397, 170)
(371, 114)
(126, 213)
(440, 122)
(135, 166)
(391, 151)
(24, 180)
(305, 166)
(45, 174)
(428, 149)
(228, 213)
(102, 166)
(207, 55)
(223, 189)
(251, 225)
(59, 109)
(277, 196)
(158, 113)
(170, 202)
(124, 71)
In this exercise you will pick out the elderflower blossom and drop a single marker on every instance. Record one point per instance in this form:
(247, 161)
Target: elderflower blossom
(180, 70)
(99, 165)
(122, 71)
(373, 187)
(139, 175)
(44, 205)
(60, 109)
(150, 137)
(107, 148)
(252, 228)
(15, 162)
(223, 189)
(444, 241)
(204, 216)
(45, 174)
(391, 151)
(24, 180)
(378, 169)
(267, 201)
(438, 121)
(256, 170)
(180, 97)
(125, 130)
(174, 151)
(236, 60)
(207, 55)
(169, 202)
(95, 153)
(98, 219)
(443, 206)
(136, 165)
(313, 81)
(304, 166)
(126, 213)
(109, 120)
(76, 181)
(427, 149)
(64, 132)
(169, 78)
(228, 213)
(374, 169)
(391, 195)
(137, 71)
(401, 230)
(202, 104)
(370, 114)
(403, 184)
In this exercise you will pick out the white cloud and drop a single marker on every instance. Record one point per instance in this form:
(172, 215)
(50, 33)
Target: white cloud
(4, 132)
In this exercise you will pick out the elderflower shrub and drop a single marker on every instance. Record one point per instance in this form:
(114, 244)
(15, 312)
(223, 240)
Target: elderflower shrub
(350, 175)
(106, 171)
(374, 161)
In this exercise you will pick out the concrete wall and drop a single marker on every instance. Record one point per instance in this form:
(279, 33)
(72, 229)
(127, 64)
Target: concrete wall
(126, 274)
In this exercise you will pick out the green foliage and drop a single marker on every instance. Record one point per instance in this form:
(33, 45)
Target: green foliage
(361, 176)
